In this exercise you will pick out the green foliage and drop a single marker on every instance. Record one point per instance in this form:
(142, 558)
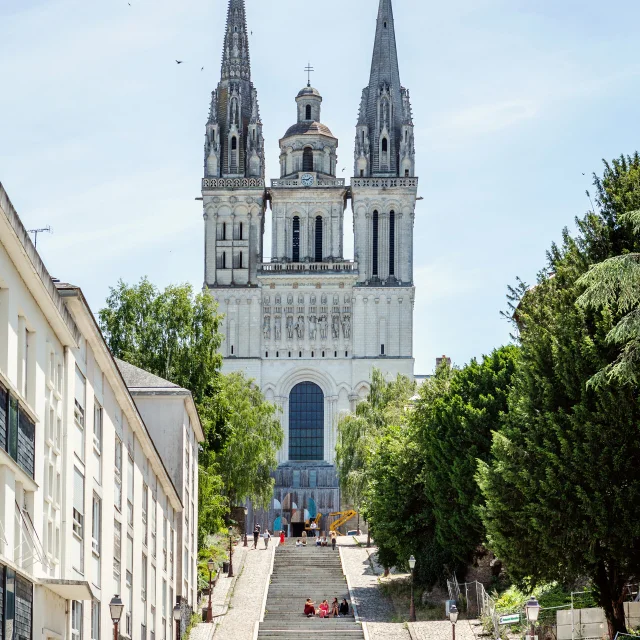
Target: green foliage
(174, 334)
(452, 425)
(215, 547)
(563, 481)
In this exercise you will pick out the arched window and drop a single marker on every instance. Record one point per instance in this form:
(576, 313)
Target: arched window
(308, 112)
(296, 239)
(241, 264)
(319, 239)
(306, 422)
(224, 230)
(392, 244)
(241, 229)
(234, 143)
(307, 159)
(385, 145)
(374, 270)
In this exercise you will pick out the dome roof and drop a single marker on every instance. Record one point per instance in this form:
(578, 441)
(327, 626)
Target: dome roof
(309, 128)
(309, 91)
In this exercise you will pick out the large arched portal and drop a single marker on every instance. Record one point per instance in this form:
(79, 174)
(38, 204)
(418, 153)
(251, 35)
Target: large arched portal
(306, 422)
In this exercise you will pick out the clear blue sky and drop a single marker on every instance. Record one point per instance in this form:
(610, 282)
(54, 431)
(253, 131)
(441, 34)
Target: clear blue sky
(101, 133)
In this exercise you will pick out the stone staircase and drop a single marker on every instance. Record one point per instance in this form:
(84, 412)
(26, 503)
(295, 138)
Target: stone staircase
(300, 573)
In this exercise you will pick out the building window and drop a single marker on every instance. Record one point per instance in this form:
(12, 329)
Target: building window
(296, 239)
(96, 538)
(117, 486)
(362, 173)
(117, 554)
(97, 442)
(224, 230)
(306, 422)
(224, 259)
(154, 525)
(385, 145)
(382, 349)
(308, 112)
(241, 229)
(234, 143)
(143, 588)
(145, 509)
(95, 620)
(23, 621)
(129, 586)
(375, 244)
(307, 159)
(171, 539)
(406, 173)
(318, 238)
(78, 521)
(392, 243)
(76, 620)
(241, 263)
(79, 414)
(17, 431)
(165, 534)
(130, 491)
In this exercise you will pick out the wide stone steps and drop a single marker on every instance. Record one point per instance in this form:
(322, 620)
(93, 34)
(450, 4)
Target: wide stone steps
(300, 573)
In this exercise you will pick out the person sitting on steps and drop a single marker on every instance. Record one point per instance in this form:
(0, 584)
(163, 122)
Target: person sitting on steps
(334, 608)
(309, 608)
(324, 609)
(299, 543)
(344, 607)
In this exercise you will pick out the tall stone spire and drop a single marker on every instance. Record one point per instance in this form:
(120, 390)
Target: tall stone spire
(236, 63)
(234, 146)
(384, 138)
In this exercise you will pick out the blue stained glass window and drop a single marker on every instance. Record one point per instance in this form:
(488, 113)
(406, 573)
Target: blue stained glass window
(306, 422)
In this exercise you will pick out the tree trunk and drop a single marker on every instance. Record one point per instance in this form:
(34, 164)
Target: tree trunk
(611, 589)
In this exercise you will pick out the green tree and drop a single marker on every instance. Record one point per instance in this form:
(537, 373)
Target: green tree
(174, 334)
(562, 487)
(452, 424)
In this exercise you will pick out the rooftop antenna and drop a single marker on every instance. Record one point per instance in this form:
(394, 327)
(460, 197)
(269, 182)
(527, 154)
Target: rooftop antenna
(309, 69)
(35, 232)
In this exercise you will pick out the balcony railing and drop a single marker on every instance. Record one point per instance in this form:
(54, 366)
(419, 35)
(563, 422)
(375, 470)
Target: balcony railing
(308, 267)
(383, 183)
(232, 183)
(294, 183)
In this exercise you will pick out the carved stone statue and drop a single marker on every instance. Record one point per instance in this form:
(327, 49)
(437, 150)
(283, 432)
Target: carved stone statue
(301, 299)
(267, 300)
(278, 328)
(336, 300)
(313, 299)
(278, 300)
(313, 327)
(324, 327)
(324, 298)
(290, 327)
(346, 326)
(335, 327)
(266, 328)
(290, 299)
(300, 327)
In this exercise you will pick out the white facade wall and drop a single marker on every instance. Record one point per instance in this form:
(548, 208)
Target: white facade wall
(55, 365)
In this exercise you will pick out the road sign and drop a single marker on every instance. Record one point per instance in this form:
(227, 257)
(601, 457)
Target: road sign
(512, 618)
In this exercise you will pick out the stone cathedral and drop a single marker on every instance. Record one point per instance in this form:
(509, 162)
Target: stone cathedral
(309, 325)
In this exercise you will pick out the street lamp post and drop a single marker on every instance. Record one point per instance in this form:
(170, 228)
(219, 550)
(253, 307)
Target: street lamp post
(176, 617)
(412, 606)
(211, 566)
(532, 609)
(453, 616)
(115, 607)
(230, 574)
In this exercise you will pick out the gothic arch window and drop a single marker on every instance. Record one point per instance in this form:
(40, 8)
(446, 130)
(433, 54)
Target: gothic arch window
(307, 159)
(234, 143)
(306, 422)
(385, 145)
(234, 155)
(392, 243)
(308, 112)
(374, 269)
(296, 239)
(318, 238)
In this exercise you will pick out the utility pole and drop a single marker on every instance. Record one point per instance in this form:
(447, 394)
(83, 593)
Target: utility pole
(37, 231)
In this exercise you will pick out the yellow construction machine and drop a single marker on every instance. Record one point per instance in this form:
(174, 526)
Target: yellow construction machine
(342, 518)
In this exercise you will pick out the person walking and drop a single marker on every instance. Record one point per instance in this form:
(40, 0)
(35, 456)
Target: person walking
(314, 526)
(282, 536)
(267, 536)
(333, 540)
(256, 535)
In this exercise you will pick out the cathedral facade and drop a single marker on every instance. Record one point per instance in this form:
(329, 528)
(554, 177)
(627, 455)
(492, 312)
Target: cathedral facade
(309, 325)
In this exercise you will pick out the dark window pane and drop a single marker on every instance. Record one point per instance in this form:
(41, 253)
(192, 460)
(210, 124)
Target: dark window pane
(24, 609)
(296, 239)
(306, 422)
(4, 399)
(375, 244)
(26, 443)
(392, 243)
(307, 159)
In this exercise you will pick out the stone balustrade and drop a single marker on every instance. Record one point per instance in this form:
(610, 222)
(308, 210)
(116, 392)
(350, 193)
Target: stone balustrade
(383, 183)
(308, 267)
(293, 183)
(232, 183)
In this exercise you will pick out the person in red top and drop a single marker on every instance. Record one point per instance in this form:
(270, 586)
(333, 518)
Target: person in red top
(324, 609)
(282, 537)
(309, 608)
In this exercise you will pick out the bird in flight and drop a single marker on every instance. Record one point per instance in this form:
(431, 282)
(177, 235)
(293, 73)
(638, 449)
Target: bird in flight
(179, 61)
(202, 69)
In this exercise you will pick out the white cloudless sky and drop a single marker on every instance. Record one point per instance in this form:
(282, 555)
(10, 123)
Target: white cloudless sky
(101, 133)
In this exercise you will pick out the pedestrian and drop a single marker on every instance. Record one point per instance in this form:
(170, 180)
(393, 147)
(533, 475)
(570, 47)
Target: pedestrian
(333, 540)
(314, 526)
(256, 535)
(267, 536)
(282, 536)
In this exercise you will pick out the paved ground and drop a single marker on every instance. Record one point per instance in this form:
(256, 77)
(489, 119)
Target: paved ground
(441, 630)
(373, 606)
(247, 597)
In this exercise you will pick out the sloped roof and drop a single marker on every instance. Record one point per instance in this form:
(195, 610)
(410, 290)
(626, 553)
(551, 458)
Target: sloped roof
(308, 128)
(136, 378)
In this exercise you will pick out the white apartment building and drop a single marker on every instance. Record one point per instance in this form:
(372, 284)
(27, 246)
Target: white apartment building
(87, 507)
